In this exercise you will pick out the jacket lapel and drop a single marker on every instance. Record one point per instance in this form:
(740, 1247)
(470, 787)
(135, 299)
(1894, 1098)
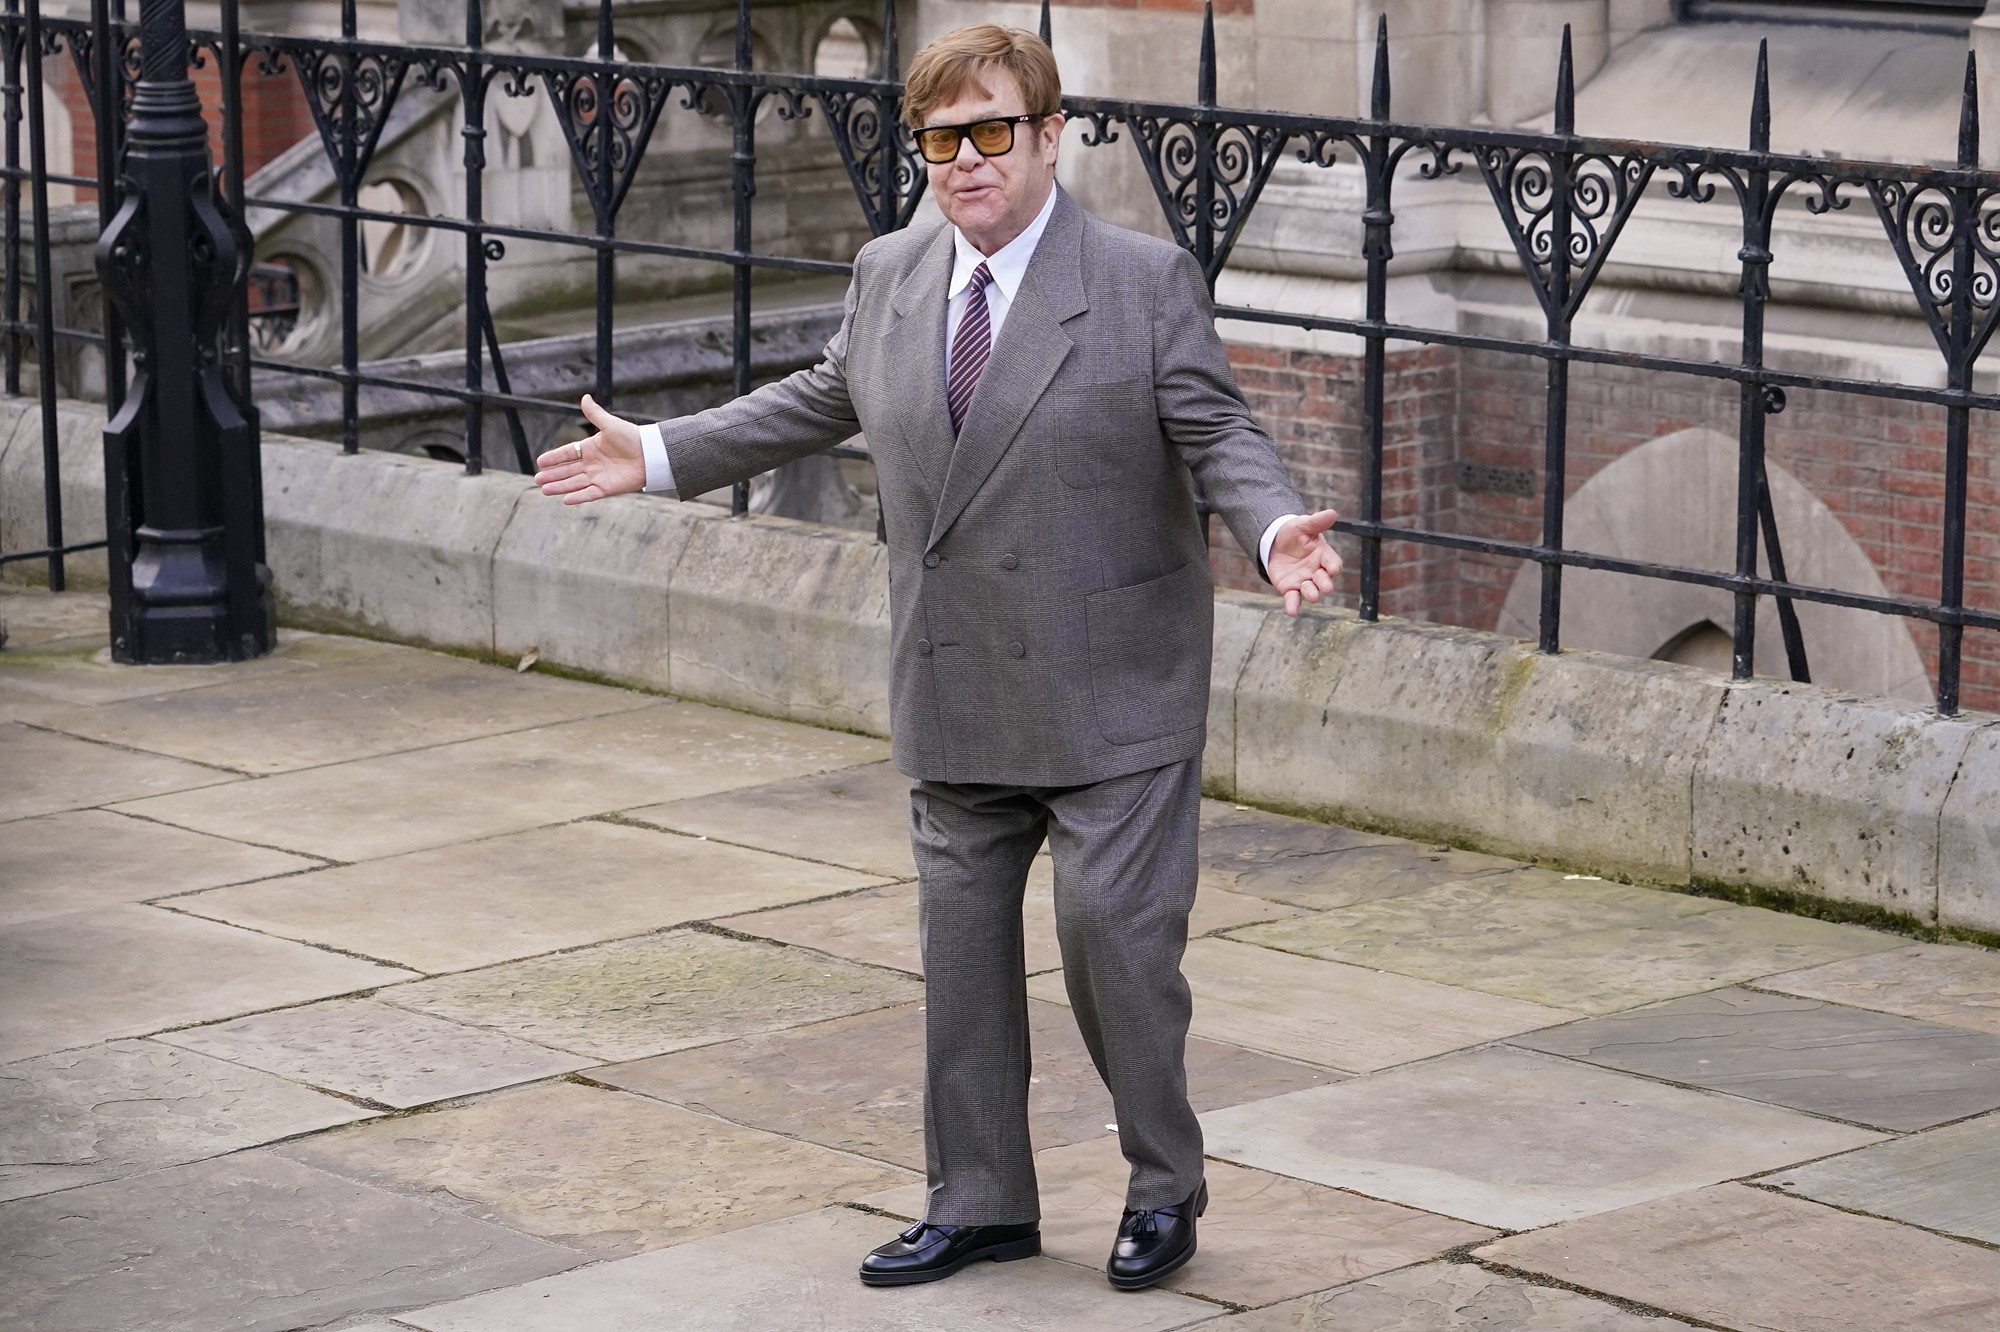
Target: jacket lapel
(1030, 349)
(915, 344)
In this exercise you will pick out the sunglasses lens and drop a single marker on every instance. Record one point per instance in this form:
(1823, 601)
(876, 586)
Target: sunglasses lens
(938, 145)
(992, 137)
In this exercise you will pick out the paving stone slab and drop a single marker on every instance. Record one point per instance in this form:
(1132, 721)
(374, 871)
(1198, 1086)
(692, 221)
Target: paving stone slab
(1449, 1297)
(1319, 865)
(596, 1169)
(858, 817)
(476, 903)
(1848, 1063)
(880, 926)
(1264, 1238)
(1744, 1258)
(381, 700)
(252, 1243)
(640, 997)
(1942, 1179)
(1352, 1018)
(509, 783)
(1955, 984)
(389, 1055)
(1581, 944)
(74, 672)
(18, 705)
(857, 1083)
(66, 773)
(34, 616)
(118, 1109)
(1511, 1139)
(797, 1275)
(129, 970)
(92, 858)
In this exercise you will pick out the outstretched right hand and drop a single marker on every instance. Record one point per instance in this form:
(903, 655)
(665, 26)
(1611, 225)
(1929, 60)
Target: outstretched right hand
(610, 462)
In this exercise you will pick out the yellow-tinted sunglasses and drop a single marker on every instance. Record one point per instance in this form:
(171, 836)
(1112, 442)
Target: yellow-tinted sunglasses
(993, 138)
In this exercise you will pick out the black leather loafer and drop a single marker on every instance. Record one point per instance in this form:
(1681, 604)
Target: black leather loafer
(1153, 1242)
(926, 1253)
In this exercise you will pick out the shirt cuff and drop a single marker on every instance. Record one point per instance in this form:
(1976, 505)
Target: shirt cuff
(1263, 545)
(660, 472)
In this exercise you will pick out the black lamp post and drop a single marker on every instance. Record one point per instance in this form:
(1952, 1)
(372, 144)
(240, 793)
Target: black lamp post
(185, 497)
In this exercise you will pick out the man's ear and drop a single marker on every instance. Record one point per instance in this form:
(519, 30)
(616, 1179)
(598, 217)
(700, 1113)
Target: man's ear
(1052, 128)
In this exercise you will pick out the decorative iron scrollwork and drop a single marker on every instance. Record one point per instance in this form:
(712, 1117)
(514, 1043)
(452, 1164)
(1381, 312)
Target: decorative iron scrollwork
(1207, 178)
(607, 115)
(881, 161)
(1948, 242)
(1600, 192)
(350, 96)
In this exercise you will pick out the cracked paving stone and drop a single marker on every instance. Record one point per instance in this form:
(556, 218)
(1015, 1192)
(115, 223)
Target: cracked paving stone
(880, 925)
(797, 1275)
(1846, 1063)
(1449, 1297)
(1955, 984)
(641, 997)
(857, 1083)
(1318, 866)
(86, 858)
(388, 1055)
(1941, 1180)
(1264, 1238)
(1512, 1139)
(349, 699)
(1344, 1017)
(252, 1243)
(129, 970)
(1591, 946)
(1743, 1258)
(75, 774)
(595, 1168)
(520, 895)
(858, 817)
(509, 783)
(119, 1109)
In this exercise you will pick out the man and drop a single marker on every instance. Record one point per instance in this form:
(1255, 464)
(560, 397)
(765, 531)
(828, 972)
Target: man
(1036, 387)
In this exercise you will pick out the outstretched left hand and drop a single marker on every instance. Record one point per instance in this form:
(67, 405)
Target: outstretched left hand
(1302, 564)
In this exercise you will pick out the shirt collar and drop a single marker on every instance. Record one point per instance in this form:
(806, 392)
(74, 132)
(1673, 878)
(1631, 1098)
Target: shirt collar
(1009, 264)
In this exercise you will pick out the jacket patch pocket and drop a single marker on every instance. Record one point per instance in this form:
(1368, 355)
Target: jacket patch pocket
(1149, 655)
(1106, 432)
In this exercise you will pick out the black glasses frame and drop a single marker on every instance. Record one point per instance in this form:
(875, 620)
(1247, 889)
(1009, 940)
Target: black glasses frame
(963, 135)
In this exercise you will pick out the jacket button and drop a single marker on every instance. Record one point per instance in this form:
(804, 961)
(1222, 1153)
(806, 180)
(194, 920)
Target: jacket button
(1009, 562)
(1016, 650)
(923, 647)
(932, 559)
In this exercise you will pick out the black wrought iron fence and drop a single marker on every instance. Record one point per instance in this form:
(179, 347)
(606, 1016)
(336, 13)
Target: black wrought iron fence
(1563, 198)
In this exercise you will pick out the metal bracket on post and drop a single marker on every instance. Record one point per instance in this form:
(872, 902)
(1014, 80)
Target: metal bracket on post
(169, 260)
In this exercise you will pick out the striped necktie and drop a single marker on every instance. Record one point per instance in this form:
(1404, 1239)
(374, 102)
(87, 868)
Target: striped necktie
(969, 349)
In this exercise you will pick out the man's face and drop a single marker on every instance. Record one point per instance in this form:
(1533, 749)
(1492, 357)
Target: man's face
(993, 199)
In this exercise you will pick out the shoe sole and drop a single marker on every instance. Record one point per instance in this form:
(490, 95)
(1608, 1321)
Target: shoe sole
(1011, 1251)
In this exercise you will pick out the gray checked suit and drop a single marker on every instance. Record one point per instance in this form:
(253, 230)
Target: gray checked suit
(1050, 620)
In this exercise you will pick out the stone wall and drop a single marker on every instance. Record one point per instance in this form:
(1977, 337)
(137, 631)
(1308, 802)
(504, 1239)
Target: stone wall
(1610, 765)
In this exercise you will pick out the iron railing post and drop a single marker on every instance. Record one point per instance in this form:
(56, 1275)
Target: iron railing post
(743, 101)
(1754, 288)
(1960, 354)
(10, 196)
(45, 318)
(472, 111)
(169, 259)
(1376, 220)
(1555, 441)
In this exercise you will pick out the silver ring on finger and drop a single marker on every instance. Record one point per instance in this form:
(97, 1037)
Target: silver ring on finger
(576, 451)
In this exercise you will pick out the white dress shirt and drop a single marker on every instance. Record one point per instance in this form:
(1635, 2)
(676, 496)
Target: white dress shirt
(1007, 266)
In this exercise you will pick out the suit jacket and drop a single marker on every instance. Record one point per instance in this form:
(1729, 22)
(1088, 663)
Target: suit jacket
(1050, 603)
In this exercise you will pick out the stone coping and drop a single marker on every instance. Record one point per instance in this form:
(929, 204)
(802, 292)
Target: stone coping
(1784, 793)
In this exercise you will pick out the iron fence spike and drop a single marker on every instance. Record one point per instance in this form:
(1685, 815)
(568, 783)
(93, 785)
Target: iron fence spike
(1566, 89)
(1968, 115)
(1205, 92)
(1046, 30)
(1378, 96)
(1760, 101)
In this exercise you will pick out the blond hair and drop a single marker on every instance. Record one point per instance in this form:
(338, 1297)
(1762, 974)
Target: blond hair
(948, 66)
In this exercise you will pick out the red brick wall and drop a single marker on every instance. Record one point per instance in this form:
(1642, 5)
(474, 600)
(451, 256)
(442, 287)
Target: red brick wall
(1177, 6)
(274, 114)
(1877, 464)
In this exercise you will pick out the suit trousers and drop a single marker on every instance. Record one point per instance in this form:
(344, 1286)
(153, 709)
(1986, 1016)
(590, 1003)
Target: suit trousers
(1125, 871)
